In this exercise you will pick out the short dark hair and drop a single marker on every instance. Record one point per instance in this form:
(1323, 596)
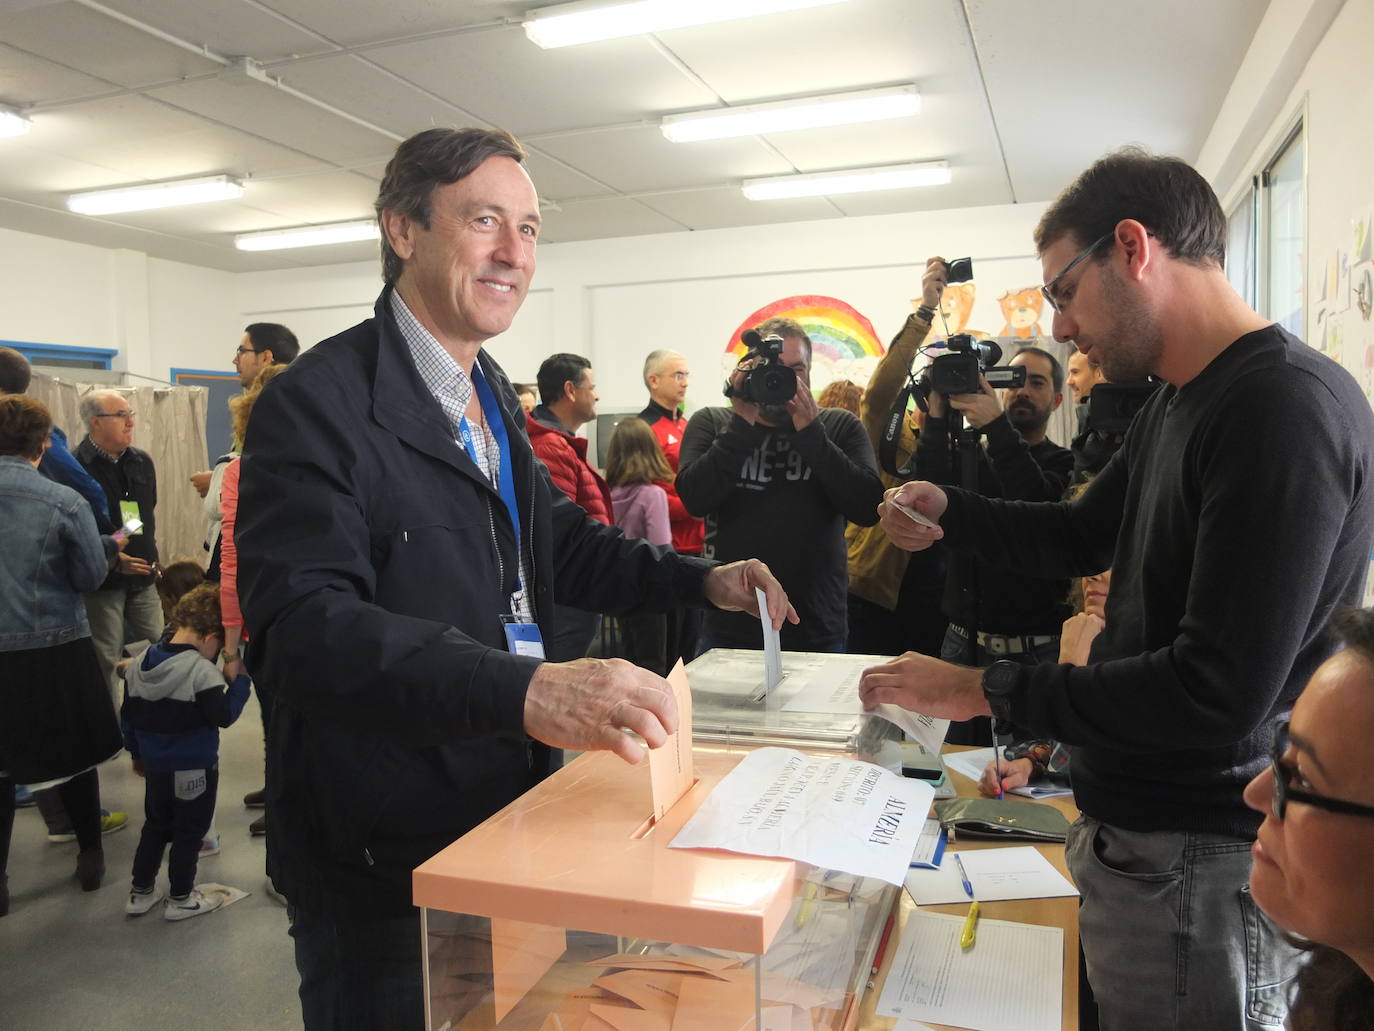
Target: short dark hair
(558, 369)
(1056, 370)
(1354, 628)
(198, 610)
(15, 374)
(25, 423)
(1164, 194)
(786, 328)
(435, 157)
(274, 337)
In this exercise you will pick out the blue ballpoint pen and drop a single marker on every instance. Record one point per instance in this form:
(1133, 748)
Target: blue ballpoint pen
(963, 875)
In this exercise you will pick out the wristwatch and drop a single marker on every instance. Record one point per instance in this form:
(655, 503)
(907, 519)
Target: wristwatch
(228, 656)
(1000, 681)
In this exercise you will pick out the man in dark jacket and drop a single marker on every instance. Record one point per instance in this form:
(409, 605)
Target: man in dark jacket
(1015, 617)
(126, 607)
(399, 550)
(779, 481)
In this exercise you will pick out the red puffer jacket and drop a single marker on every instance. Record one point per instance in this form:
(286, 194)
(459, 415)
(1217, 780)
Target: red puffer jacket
(566, 457)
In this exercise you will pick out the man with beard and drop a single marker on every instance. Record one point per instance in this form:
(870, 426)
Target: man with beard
(778, 481)
(1236, 516)
(1015, 617)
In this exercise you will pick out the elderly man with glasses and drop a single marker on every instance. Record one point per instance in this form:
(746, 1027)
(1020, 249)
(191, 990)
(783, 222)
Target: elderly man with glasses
(126, 606)
(1237, 515)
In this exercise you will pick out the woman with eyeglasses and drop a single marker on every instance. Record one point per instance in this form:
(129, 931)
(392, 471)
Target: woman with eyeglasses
(1314, 851)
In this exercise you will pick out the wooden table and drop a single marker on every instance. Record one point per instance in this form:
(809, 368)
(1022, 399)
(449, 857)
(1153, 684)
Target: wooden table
(1062, 912)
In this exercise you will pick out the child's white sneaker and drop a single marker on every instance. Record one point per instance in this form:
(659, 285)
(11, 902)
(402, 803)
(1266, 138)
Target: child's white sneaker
(142, 901)
(194, 904)
(209, 846)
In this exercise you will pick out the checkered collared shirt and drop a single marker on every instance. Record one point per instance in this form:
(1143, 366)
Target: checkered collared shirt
(452, 388)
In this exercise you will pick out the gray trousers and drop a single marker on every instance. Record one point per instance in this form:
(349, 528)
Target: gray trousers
(1170, 934)
(119, 615)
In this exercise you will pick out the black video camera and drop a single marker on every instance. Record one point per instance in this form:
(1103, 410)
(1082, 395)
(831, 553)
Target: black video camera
(1112, 406)
(770, 382)
(958, 371)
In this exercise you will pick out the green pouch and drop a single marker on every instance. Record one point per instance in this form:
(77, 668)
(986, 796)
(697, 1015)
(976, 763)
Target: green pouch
(1001, 819)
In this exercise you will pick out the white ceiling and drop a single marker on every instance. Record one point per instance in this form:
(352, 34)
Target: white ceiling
(1017, 96)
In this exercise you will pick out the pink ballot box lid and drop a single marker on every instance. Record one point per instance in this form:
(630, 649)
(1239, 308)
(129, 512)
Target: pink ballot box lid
(578, 851)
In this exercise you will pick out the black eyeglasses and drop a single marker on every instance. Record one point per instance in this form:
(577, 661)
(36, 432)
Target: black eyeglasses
(1046, 291)
(247, 350)
(125, 415)
(1283, 776)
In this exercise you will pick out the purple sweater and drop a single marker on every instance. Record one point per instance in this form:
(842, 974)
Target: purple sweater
(641, 510)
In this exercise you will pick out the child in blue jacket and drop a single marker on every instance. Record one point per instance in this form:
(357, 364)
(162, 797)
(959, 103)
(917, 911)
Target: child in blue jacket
(175, 699)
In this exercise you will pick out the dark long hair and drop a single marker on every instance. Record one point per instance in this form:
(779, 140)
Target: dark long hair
(1331, 993)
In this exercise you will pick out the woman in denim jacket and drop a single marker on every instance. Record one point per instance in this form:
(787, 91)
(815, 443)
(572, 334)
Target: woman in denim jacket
(56, 719)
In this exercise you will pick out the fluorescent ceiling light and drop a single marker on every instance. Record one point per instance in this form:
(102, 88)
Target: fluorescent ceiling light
(12, 123)
(587, 22)
(785, 115)
(853, 180)
(308, 236)
(156, 195)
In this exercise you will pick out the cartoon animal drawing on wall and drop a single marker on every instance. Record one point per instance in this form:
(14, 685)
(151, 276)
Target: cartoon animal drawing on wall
(1021, 310)
(956, 305)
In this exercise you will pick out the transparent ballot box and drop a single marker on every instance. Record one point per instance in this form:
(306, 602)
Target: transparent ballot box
(567, 910)
(814, 708)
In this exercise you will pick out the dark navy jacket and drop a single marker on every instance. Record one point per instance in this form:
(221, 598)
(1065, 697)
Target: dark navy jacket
(375, 563)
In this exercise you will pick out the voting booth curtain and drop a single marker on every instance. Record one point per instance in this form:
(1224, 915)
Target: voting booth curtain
(170, 426)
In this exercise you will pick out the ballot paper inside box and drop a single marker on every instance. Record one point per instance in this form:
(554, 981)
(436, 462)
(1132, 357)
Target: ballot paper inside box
(814, 708)
(567, 910)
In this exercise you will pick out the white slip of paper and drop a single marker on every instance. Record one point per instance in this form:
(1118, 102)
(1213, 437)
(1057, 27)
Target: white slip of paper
(834, 813)
(997, 875)
(1012, 979)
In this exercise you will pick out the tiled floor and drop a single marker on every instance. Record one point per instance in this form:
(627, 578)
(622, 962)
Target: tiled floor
(72, 960)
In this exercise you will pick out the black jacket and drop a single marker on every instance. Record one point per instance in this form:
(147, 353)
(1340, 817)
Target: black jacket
(375, 562)
(1007, 602)
(132, 478)
(782, 496)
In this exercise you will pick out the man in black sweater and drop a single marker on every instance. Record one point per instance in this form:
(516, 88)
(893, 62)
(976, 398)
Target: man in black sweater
(1236, 516)
(778, 482)
(1015, 617)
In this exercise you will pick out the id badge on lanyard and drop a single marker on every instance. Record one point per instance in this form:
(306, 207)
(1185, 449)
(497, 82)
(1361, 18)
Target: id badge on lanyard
(523, 638)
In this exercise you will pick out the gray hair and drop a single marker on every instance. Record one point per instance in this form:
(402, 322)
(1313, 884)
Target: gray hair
(91, 404)
(655, 362)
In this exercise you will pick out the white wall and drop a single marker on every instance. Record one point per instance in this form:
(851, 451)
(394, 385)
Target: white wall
(1334, 90)
(616, 300)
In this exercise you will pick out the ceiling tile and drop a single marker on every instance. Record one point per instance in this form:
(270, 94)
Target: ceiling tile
(598, 219)
(641, 159)
(101, 46)
(280, 118)
(505, 80)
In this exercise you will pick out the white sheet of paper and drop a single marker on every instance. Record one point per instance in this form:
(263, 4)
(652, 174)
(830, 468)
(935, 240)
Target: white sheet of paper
(671, 770)
(1012, 979)
(834, 813)
(972, 762)
(772, 646)
(997, 874)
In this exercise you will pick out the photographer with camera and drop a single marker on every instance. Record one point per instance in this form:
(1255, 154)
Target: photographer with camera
(775, 478)
(1101, 423)
(1015, 617)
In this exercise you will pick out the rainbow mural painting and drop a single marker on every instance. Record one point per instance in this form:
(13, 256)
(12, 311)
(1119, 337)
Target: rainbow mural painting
(843, 343)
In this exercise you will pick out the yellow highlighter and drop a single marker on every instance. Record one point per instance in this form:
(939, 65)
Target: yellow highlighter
(970, 932)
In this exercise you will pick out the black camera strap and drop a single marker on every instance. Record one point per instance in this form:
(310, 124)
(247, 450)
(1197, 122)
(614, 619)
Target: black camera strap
(892, 434)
